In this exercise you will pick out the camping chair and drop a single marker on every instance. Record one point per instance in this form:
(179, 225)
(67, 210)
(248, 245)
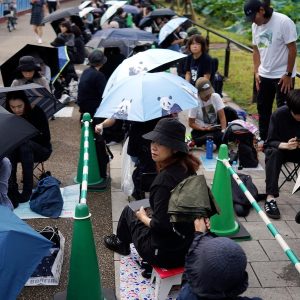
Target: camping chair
(289, 171)
(38, 167)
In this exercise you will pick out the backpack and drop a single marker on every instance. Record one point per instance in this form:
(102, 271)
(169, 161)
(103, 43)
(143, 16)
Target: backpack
(247, 154)
(240, 202)
(46, 198)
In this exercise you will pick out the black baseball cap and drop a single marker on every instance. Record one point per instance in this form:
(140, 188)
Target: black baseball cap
(251, 7)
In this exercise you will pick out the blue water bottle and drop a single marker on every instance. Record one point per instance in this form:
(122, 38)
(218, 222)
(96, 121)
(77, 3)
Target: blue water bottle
(209, 148)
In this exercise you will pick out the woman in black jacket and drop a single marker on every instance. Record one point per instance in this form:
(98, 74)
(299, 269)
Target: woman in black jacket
(157, 240)
(36, 149)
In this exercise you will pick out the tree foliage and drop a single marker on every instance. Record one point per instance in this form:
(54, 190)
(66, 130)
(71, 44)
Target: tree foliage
(229, 14)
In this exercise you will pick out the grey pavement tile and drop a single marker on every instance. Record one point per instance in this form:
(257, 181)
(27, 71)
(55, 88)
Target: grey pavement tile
(252, 278)
(295, 227)
(288, 198)
(254, 251)
(276, 274)
(117, 278)
(287, 212)
(118, 202)
(115, 175)
(276, 253)
(269, 293)
(258, 230)
(295, 292)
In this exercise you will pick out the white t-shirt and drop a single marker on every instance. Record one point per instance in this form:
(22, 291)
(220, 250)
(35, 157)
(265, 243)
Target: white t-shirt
(206, 112)
(271, 39)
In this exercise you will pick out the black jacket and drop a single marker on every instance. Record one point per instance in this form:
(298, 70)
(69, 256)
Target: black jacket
(282, 127)
(90, 90)
(39, 120)
(171, 241)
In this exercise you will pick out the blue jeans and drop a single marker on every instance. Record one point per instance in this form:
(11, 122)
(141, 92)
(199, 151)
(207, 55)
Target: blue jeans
(5, 170)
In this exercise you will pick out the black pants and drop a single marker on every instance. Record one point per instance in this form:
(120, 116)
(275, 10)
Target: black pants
(200, 137)
(131, 230)
(51, 6)
(268, 88)
(274, 160)
(27, 153)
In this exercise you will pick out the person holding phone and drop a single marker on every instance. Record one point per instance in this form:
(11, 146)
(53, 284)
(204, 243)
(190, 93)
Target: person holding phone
(282, 146)
(204, 119)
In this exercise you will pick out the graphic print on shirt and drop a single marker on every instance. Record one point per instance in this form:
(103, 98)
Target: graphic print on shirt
(209, 114)
(194, 71)
(265, 39)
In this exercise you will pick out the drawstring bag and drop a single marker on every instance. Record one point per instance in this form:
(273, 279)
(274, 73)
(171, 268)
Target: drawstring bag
(46, 198)
(49, 269)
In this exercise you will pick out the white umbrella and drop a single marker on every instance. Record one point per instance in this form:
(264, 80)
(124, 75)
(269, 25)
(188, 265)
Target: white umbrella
(111, 11)
(142, 62)
(169, 27)
(85, 11)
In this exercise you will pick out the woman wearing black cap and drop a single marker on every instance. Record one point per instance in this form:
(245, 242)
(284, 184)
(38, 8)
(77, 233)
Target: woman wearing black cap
(156, 239)
(29, 72)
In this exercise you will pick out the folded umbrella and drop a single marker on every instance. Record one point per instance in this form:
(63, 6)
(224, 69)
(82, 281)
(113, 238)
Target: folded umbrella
(22, 249)
(14, 131)
(48, 55)
(191, 198)
(37, 95)
(145, 61)
(148, 96)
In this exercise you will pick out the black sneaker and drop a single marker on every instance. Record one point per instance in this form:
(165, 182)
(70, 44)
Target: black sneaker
(272, 210)
(113, 243)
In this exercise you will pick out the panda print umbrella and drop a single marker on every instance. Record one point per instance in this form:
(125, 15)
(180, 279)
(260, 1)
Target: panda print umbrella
(148, 96)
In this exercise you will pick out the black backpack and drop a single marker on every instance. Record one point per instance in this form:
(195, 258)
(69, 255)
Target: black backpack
(240, 202)
(247, 153)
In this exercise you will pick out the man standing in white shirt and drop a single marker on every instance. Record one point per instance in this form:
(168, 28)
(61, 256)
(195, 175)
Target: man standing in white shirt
(274, 38)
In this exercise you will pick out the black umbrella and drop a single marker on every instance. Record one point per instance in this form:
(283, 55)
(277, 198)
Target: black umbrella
(61, 14)
(47, 54)
(14, 131)
(124, 38)
(145, 22)
(37, 95)
(162, 12)
(65, 12)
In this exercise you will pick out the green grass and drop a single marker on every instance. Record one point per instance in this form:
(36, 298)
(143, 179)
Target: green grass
(239, 83)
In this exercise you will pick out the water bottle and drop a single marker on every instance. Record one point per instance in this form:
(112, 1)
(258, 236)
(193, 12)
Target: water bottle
(234, 166)
(209, 148)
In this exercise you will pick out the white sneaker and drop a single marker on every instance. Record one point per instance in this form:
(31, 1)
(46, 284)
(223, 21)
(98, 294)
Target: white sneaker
(40, 41)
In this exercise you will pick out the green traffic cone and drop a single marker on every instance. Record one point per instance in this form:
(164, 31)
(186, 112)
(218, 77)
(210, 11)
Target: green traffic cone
(223, 224)
(84, 276)
(94, 173)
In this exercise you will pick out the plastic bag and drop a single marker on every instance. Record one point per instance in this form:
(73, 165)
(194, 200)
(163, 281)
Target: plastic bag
(127, 166)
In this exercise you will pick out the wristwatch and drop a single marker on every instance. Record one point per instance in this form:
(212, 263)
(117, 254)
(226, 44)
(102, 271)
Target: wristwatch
(289, 74)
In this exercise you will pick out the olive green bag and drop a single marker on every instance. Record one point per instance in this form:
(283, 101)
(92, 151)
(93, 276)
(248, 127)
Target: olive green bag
(192, 198)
